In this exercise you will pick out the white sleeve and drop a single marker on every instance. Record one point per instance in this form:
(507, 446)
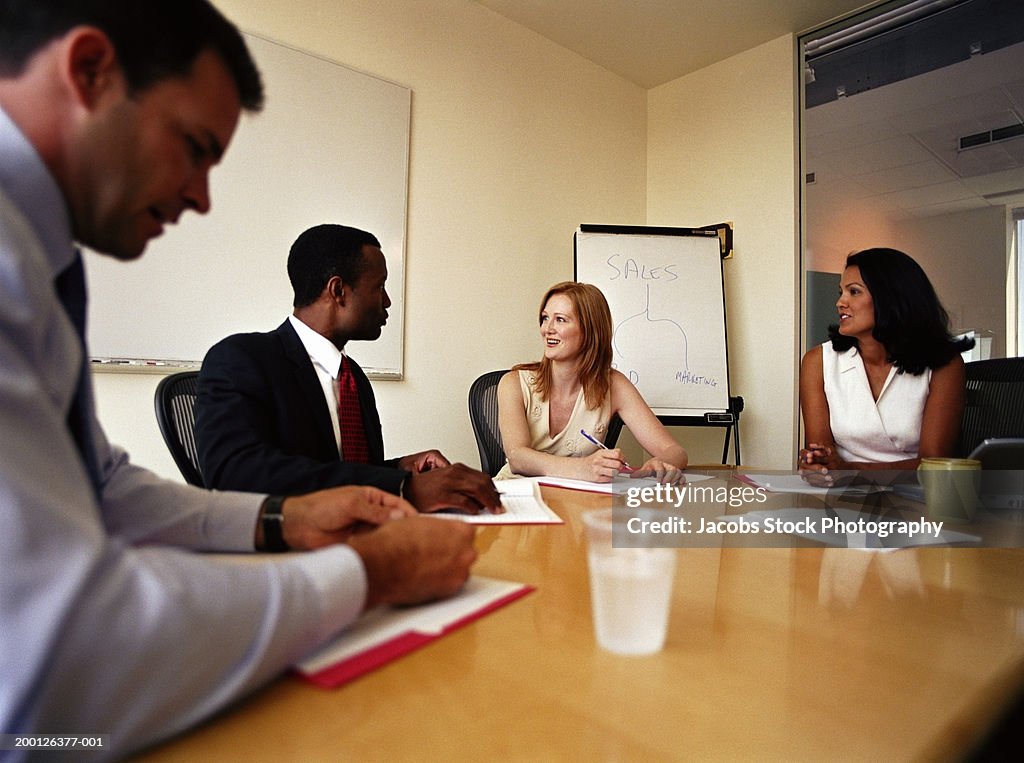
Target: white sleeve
(102, 631)
(140, 507)
(101, 635)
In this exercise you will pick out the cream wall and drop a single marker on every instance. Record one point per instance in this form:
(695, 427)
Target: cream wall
(722, 146)
(515, 141)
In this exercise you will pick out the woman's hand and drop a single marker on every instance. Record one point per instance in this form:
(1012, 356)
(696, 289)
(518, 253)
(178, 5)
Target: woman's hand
(601, 465)
(662, 471)
(816, 461)
(815, 455)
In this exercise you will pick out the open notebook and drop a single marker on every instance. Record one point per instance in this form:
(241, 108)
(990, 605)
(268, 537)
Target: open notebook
(523, 503)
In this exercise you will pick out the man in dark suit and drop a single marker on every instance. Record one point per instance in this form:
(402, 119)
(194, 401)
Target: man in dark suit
(270, 414)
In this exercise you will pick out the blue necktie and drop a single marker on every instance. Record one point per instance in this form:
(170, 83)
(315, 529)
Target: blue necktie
(70, 284)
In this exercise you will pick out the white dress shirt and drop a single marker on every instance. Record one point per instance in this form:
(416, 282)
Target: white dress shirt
(326, 359)
(110, 622)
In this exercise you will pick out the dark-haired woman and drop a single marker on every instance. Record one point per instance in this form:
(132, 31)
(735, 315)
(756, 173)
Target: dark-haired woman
(888, 388)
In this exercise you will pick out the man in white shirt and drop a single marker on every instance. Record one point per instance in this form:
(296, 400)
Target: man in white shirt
(112, 114)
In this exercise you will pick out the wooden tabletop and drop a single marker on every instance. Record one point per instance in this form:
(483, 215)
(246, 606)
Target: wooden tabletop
(772, 653)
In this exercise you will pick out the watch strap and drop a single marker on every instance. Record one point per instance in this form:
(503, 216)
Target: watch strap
(272, 522)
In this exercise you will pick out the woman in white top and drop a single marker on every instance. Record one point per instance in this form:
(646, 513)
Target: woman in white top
(888, 389)
(543, 406)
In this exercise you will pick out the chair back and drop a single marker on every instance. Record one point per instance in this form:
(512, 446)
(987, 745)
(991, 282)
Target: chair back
(614, 429)
(175, 400)
(483, 415)
(994, 405)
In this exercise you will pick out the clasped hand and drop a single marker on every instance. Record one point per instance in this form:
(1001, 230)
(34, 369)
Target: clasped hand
(408, 558)
(816, 461)
(332, 516)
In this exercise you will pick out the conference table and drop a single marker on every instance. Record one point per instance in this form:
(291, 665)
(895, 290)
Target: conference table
(796, 653)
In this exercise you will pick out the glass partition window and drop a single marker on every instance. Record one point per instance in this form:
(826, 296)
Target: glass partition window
(912, 137)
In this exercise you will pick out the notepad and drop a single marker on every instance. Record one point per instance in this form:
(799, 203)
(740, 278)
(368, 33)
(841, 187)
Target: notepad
(385, 634)
(794, 483)
(618, 485)
(523, 502)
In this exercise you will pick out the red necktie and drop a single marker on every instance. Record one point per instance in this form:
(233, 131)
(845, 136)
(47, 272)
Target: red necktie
(350, 419)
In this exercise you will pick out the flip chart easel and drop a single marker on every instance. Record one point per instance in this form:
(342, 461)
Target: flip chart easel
(665, 287)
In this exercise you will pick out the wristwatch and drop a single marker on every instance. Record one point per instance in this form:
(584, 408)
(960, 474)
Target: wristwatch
(272, 521)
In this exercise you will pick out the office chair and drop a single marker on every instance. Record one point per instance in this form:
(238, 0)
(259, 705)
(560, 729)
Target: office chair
(483, 415)
(995, 402)
(174, 400)
(614, 430)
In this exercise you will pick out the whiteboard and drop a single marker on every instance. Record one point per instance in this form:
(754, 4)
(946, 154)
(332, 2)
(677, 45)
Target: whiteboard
(330, 146)
(667, 300)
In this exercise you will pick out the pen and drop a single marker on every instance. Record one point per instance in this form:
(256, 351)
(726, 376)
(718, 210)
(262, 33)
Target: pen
(625, 467)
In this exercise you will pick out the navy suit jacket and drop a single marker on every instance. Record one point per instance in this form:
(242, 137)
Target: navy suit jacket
(262, 422)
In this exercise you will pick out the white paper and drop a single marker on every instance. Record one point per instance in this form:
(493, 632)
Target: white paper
(523, 504)
(618, 485)
(794, 483)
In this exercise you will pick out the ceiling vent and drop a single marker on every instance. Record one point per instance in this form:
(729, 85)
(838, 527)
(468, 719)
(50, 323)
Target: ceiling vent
(990, 136)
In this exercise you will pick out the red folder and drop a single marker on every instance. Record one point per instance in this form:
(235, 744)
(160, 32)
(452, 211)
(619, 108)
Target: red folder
(482, 596)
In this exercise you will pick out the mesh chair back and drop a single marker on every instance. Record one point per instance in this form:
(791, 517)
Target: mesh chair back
(175, 400)
(483, 415)
(614, 429)
(995, 402)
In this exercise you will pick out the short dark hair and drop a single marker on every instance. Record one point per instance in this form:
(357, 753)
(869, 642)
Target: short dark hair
(154, 39)
(910, 321)
(322, 252)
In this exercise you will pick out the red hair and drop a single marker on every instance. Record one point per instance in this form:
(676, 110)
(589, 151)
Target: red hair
(595, 361)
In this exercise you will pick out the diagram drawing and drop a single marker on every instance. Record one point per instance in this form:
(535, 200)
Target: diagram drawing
(636, 337)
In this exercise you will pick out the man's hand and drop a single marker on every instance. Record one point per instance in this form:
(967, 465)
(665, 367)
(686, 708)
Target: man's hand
(452, 487)
(333, 516)
(415, 560)
(423, 462)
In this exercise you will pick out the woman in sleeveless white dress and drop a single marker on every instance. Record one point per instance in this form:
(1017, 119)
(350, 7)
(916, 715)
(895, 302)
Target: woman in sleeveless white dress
(888, 388)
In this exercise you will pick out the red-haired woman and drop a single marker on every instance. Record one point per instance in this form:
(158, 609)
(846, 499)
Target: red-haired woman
(544, 407)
